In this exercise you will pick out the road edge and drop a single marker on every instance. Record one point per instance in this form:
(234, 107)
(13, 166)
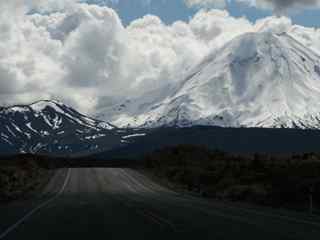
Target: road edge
(37, 208)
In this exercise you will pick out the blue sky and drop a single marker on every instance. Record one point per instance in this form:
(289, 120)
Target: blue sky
(172, 10)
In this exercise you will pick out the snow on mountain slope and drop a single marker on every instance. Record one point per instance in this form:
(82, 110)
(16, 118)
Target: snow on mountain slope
(310, 37)
(259, 79)
(52, 127)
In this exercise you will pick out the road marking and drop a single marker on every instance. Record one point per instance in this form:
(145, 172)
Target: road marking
(130, 183)
(153, 219)
(36, 209)
(161, 220)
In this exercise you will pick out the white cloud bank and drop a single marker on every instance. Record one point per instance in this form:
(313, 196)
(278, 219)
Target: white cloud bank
(83, 55)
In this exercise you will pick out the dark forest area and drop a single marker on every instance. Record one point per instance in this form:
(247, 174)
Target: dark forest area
(286, 181)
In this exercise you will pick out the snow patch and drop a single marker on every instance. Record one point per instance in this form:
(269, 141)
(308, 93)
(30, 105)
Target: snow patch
(134, 135)
(94, 136)
(31, 128)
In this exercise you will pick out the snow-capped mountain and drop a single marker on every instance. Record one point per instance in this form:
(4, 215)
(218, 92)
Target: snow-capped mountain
(52, 127)
(259, 79)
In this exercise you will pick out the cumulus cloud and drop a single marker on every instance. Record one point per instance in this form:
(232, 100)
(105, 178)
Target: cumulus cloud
(83, 55)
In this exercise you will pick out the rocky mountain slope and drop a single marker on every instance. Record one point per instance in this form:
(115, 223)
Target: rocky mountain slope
(260, 79)
(52, 127)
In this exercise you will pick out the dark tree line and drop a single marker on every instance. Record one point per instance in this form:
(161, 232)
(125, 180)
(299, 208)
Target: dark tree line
(279, 181)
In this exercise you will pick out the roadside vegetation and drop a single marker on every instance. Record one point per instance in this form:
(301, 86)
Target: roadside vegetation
(22, 175)
(278, 181)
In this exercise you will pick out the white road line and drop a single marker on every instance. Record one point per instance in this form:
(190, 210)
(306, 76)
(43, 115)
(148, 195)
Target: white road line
(162, 220)
(36, 209)
(153, 219)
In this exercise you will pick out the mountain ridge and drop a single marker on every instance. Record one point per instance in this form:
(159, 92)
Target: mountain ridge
(49, 126)
(259, 79)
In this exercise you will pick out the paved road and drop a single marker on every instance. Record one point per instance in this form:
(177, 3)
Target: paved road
(123, 204)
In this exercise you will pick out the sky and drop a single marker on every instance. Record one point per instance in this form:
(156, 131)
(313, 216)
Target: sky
(91, 56)
(172, 10)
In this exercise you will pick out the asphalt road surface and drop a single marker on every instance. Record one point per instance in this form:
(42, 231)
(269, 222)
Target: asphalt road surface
(96, 203)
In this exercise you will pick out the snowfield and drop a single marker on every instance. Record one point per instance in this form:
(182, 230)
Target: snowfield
(258, 79)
